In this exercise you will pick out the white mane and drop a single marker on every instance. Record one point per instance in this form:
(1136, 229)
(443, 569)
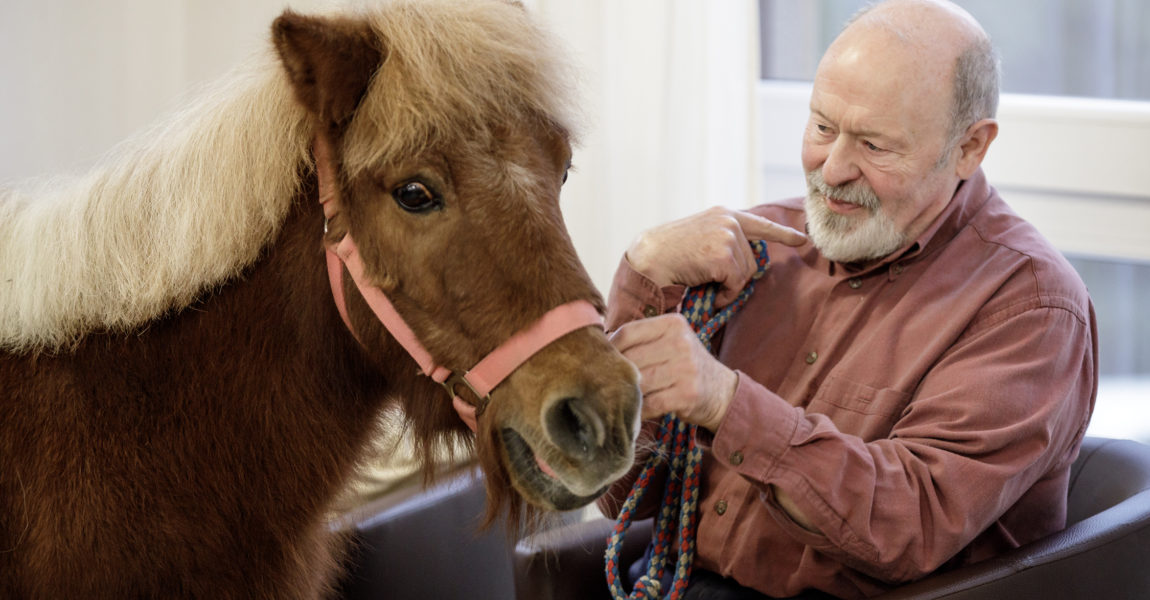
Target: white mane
(171, 213)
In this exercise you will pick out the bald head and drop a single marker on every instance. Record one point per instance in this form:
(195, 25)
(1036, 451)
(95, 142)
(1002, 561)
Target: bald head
(956, 56)
(919, 19)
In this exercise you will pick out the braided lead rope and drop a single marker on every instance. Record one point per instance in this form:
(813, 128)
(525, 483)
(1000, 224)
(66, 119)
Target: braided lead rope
(675, 440)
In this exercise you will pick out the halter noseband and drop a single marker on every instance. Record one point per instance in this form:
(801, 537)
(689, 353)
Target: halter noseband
(488, 372)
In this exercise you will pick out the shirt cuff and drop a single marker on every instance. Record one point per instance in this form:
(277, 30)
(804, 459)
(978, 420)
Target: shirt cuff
(756, 431)
(634, 296)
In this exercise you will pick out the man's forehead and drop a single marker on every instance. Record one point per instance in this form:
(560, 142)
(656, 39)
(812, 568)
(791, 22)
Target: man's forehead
(895, 81)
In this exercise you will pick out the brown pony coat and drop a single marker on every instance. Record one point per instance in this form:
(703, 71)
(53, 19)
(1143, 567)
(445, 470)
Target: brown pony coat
(183, 437)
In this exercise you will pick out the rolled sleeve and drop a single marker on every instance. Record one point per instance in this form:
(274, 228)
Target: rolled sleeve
(634, 296)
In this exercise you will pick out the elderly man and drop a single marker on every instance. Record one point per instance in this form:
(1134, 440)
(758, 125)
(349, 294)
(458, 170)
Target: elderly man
(905, 391)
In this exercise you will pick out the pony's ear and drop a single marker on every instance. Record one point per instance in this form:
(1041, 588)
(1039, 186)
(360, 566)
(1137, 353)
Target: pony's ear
(328, 61)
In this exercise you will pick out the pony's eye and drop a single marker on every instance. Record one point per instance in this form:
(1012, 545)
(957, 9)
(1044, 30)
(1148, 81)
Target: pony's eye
(415, 197)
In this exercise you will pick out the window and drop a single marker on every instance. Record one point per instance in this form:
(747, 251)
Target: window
(1071, 154)
(1088, 48)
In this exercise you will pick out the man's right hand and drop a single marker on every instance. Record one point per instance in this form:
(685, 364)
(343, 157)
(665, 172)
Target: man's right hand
(714, 245)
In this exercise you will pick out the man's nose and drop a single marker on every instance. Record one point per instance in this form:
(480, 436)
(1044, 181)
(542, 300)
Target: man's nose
(840, 167)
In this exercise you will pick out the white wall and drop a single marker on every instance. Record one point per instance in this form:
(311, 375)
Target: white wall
(76, 76)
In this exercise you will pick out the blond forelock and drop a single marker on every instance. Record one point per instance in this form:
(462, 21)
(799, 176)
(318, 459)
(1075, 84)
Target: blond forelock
(458, 71)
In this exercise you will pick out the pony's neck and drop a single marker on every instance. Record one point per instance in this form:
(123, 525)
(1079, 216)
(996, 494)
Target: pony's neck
(177, 210)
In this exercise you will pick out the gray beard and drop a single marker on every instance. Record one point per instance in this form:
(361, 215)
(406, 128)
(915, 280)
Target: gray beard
(846, 238)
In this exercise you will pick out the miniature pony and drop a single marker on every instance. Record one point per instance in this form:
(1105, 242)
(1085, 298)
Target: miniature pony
(182, 399)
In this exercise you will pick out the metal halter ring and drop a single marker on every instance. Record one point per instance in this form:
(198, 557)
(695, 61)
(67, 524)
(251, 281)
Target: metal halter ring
(456, 379)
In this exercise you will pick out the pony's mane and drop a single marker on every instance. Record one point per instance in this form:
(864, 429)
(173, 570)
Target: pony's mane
(182, 208)
(173, 211)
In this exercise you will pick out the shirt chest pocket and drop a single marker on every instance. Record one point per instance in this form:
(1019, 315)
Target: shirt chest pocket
(859, 409)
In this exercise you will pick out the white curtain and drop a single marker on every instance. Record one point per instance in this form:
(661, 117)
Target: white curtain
(669, 94)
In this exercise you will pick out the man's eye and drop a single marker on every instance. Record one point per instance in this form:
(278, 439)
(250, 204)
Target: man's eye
(872, 147)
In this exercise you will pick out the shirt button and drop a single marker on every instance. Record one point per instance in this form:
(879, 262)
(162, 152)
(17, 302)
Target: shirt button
(650, 311)
(812, 357)
(855, 283)
(720, 507)
(736, 458)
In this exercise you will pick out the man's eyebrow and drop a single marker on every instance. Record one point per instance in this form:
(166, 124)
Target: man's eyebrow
(864, 133)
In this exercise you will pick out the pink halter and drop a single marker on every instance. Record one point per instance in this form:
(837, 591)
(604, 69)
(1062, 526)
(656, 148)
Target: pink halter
(488, 372)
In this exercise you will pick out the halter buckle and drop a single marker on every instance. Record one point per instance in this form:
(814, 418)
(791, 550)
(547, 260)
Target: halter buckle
(455, 379)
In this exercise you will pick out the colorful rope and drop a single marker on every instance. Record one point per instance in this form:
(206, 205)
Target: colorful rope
(675, 440)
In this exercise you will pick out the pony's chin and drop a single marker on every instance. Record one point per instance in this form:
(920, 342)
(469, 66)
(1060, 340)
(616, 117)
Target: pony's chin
(537, 487)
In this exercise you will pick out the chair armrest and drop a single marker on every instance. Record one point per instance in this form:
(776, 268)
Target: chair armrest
(566, 563)
(1100, 557)
(1100, 554)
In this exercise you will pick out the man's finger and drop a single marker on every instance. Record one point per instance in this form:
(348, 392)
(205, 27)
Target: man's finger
(758, 228)
(734, 282)
(641, 332)
(634, 335)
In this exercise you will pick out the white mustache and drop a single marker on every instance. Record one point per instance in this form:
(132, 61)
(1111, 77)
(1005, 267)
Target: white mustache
(858, 193)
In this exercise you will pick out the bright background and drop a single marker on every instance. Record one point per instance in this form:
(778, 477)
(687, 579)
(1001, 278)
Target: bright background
(678, 118)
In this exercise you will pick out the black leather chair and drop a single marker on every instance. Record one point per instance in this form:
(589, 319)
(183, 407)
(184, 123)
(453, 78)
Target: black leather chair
(424, 543)
(1104, 552)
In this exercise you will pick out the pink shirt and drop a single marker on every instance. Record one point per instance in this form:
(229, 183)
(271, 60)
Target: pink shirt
(921, 412)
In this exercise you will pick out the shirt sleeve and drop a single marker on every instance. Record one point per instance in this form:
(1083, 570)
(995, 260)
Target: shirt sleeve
(1006, 404)
(633, 296)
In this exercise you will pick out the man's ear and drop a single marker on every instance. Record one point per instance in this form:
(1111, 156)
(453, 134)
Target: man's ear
(974, 145)
(328, 61)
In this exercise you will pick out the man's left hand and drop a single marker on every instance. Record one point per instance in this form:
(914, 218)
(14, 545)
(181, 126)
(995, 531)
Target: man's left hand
(677, 374)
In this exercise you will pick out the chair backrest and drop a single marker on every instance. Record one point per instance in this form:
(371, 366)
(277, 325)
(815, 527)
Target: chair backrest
(1102, 553)
(1106, 473)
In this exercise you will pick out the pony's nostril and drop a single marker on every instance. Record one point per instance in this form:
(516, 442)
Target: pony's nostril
(574, 426)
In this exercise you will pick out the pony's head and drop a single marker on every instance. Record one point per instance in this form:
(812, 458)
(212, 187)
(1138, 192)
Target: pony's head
(450, 128)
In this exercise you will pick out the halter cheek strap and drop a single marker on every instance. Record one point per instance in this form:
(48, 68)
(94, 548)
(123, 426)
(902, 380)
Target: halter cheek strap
(345, 253)
(488, 372)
